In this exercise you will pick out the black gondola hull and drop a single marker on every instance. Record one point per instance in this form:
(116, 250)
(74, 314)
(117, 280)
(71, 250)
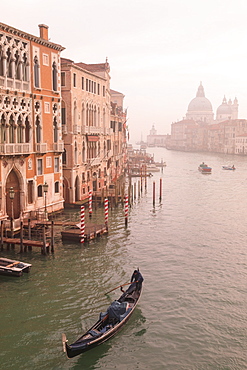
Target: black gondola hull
(82, 344)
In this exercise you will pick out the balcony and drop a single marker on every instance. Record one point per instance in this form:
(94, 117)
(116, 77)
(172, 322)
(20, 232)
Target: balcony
(58, 147)
(92, 130)
(15, 149)
(41, 148)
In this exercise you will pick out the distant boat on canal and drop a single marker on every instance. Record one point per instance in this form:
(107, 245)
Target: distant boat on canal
(204, 168)
(230, 168)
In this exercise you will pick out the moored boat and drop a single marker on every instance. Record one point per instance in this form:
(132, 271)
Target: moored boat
(10, 267)
(109, 322)
(230, 168)
(204, 168)
(152, 168)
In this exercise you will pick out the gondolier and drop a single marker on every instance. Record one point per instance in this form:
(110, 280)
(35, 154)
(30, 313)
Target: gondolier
(137, 279)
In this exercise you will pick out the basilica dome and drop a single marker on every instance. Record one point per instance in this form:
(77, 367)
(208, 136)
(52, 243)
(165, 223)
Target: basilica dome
(224, 108)
(200, 103)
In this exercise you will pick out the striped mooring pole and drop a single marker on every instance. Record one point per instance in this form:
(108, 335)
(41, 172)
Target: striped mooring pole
(90, 206)
(126, 209)
(106, 212)
(82, 224)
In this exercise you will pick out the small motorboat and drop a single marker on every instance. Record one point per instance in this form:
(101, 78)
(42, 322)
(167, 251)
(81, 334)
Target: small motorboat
(109, 322)
(204, 168)
(13, 268)
(230, 168)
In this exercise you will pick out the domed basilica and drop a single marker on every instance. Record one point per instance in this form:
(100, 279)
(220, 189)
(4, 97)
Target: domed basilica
(200, 109)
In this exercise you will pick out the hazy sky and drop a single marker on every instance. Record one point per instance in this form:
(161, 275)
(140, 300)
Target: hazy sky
(158, 50)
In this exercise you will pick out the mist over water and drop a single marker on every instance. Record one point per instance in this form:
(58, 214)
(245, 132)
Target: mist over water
(191, 250)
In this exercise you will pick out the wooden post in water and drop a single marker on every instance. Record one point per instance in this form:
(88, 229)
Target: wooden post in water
(141, 176)
(135, 190)
(1, 235)
(29, 233)
(154, 193)
(139, 189)
(145, 173)
(21, 238)
(52, 237)
(43, 249)
(160, 189)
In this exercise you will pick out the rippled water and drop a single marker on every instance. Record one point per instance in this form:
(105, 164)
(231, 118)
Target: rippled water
(191, 249)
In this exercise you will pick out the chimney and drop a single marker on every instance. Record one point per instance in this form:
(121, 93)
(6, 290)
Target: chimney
(43, 31)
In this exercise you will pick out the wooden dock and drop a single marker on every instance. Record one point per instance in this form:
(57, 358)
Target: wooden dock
(26, 243)
(92, 231)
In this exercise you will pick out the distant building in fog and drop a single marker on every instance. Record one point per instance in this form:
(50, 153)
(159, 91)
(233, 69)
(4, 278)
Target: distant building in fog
(153, 139)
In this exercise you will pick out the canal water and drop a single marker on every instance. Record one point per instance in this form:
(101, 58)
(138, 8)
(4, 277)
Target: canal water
(191, 249)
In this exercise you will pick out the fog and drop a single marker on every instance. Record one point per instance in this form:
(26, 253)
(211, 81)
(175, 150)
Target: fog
(158, 51)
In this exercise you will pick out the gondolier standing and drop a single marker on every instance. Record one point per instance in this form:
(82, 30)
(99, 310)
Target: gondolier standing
(137, 278)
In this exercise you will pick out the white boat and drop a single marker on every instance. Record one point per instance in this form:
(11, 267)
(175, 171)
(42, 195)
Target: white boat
(13, 268)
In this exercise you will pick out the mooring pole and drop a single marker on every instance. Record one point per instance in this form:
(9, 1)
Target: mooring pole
(52, 237)
(82, 224)
(126, 210)
(21, 239)
(154, 193)
(160, 189)
(1, 235)
(106, 213)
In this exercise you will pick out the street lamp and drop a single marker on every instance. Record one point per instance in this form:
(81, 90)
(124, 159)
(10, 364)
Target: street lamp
(11, 197)
(45, 189)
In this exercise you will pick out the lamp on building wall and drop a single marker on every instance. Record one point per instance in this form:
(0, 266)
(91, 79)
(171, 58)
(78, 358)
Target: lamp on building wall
(11, 197)
(45, 190)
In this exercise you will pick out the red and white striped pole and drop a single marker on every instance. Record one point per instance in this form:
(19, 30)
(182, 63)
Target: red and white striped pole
(90, 208)
(126, 209)
(82, 224)
(106, 212)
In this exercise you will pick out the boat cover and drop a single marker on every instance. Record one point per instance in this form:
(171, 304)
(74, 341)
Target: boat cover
(116, 310)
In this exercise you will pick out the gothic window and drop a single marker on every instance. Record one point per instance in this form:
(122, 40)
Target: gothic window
(38, 130)
(27, 131)
(83, 116)
(3, 130)
(36, 71)
(9, 63)
(1, 61)
(83, 153)
(55, 130)
(19, 130)
(17, 66)
(87, 114)
(11, 130)
(76, 154)
(75, 113)
(54, 76)
(25, 67)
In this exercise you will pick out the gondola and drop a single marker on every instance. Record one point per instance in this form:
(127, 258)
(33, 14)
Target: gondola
(108, 324)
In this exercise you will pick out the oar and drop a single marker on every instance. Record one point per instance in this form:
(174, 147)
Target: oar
(117, 287)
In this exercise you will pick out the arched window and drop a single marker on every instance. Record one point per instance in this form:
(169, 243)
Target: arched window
(56, 187)
(83, 153)
(1, 61)
(9, 63)
(38, 130)
(87, 115)
(40, 191)
(19, 130)
(54, 76)
(25, 67)
(11, 130)
(55, 130)
(17, 66)
(27, 131)
(36, 71)
(76, 153)
(75, 113)
(3, 130)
